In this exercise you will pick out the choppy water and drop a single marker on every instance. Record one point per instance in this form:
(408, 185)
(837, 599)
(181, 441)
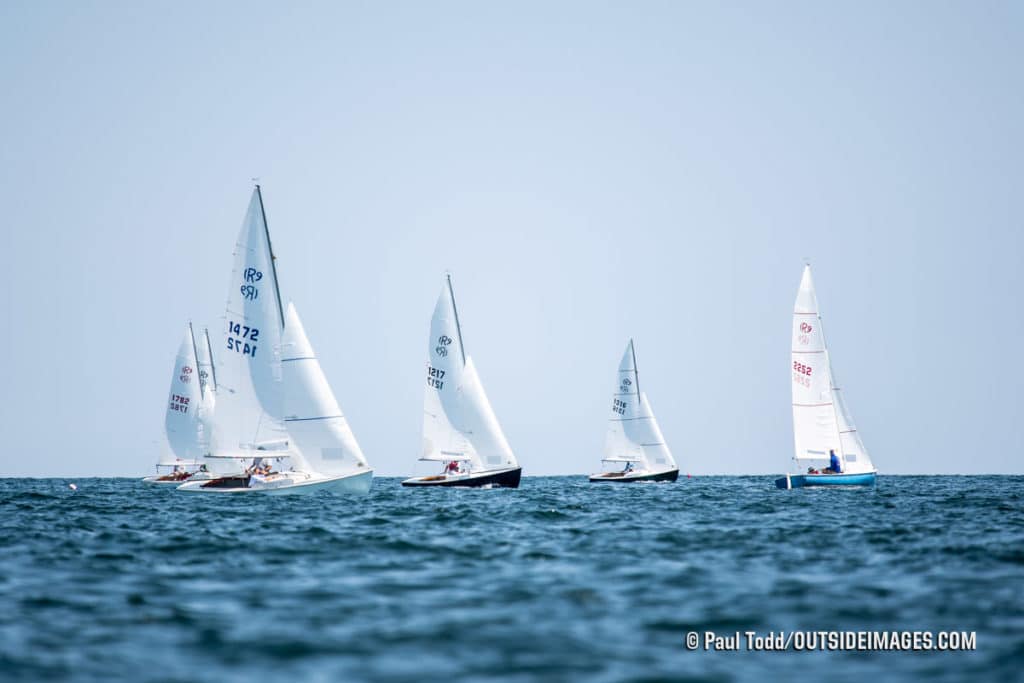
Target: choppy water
(560, 580)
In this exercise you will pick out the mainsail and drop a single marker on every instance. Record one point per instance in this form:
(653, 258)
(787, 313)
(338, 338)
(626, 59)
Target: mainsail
(821, 421)
(633, 433)
(248, 361)
(207, 384)
(321, 438)
(181, 422)
(458, 421)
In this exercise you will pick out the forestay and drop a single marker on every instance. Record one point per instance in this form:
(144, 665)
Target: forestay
(321, 439)
(633, 433)
(458, 421)
(821, 421)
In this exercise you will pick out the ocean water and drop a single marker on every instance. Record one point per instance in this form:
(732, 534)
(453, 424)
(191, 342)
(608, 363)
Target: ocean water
(559, 580)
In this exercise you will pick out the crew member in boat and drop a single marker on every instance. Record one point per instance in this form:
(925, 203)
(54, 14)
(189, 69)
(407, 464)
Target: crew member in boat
(833, 463)
(453, 467)
(628, 468)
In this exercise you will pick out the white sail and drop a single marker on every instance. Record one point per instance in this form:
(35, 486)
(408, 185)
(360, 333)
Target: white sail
(458, 421)
(321, 438)
(181, 421)
(207, 384)
(633, 433)
(821, 422)
(248, 358)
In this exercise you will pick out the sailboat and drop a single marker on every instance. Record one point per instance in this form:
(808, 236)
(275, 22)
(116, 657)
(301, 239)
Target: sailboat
(184, 420)
(460, 428)
(634, 439)
(827, 442)
(275, 410)
(208, 389)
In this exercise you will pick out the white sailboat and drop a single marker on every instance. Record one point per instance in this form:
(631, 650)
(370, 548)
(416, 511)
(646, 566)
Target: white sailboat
(460, 428)
(634, 439)
(186, 438)
(255, 391)
(208, 389)
(826, 441)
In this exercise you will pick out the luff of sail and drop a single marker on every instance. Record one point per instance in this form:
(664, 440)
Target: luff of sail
(320, 436)
(633, 433)
(181, 420)
(458, 421)
(821, 421)
(248, 360)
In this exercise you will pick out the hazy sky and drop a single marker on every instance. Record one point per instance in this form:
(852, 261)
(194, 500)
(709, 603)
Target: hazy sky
(588, 172)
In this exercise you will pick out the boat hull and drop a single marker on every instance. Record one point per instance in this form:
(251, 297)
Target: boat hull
(620, 478)
(508, 479)
(357, 483)
(799, 481)
(159, 481)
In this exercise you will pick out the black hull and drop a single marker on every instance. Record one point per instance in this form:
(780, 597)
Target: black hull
(227, 483)
(508, 479)
(671, 475)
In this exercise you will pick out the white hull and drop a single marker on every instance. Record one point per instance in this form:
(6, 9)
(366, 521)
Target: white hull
(293, 484)
(196, 476)
(157, 481)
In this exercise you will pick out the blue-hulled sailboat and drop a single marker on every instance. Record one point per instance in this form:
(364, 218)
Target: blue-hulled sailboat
(829, 451)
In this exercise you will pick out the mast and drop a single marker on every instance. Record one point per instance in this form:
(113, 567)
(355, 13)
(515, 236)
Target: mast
(209, 353)
(195, 357)
(273, 266)
(458, 327)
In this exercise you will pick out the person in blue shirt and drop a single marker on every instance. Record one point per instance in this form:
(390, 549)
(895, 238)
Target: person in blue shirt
(833, 462)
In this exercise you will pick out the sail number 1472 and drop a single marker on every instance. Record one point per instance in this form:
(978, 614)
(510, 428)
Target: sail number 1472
(242, 338)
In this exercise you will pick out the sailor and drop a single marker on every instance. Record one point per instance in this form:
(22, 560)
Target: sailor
(629, 467)
(453, 467)
(833, 462)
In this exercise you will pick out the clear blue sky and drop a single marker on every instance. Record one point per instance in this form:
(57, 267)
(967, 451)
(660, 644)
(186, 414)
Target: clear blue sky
(588, 171)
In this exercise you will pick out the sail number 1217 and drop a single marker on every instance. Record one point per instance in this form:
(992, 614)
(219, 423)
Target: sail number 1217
(434, 377)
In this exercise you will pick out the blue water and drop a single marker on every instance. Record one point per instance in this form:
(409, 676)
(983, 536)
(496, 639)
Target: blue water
(560, 580)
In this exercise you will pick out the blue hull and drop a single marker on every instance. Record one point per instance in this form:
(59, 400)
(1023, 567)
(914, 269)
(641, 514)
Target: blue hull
(799, 481)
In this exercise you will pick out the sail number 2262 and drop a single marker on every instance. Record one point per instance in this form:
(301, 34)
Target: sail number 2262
(242, 338)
